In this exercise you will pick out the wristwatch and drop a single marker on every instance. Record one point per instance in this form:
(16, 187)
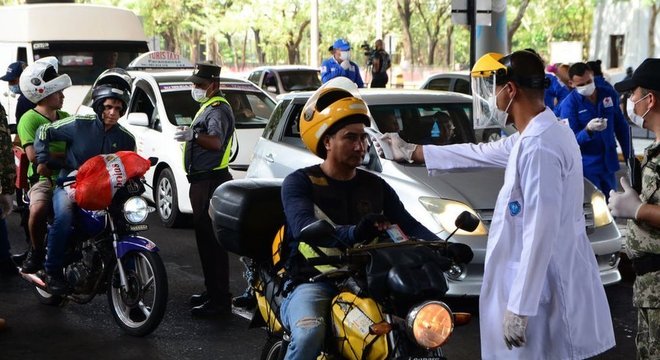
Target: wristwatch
(195, 135)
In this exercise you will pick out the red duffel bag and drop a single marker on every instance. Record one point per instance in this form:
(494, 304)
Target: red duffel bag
(99, 178)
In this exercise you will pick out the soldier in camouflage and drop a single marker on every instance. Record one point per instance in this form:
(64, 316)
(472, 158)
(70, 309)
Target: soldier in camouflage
(643, 208)
(7, 176)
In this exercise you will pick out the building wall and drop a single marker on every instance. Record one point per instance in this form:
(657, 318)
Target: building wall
(628, 18)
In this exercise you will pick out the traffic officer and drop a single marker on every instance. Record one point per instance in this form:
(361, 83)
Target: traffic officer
(594, 115)
(340, 64)
(206, 154)
(643, 208)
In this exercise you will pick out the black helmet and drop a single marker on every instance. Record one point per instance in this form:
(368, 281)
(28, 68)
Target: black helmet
(107, 91)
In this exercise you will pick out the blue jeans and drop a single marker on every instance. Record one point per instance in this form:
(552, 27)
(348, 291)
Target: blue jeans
(305, 312)
(59, 232)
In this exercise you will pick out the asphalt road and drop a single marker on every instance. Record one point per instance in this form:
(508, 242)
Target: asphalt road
(88, 331)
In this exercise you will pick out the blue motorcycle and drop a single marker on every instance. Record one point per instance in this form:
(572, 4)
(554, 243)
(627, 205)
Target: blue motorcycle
(107, 255)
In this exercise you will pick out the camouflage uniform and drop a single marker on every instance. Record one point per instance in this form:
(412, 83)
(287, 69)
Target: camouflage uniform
(7, 167)
(642, 239)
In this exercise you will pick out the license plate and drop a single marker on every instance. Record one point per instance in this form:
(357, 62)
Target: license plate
(139, 227)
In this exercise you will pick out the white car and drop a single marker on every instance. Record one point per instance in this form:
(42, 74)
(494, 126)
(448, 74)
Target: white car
(161, 101)
(435, 201)
(282, 79)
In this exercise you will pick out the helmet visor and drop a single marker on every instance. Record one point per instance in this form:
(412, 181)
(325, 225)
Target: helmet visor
(483, 101)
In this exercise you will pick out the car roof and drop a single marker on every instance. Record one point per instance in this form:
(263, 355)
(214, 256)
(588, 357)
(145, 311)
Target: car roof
(402, 96)
(454, 74)
(285, 68)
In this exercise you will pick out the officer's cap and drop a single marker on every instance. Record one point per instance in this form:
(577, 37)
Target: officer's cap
(342, 45)
(13, 71)
(204, 72)
(647, 76)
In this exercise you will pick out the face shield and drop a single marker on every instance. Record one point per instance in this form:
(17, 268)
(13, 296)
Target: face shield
(484, 94)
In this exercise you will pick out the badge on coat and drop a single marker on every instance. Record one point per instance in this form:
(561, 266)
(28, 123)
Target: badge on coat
(514, 208)
(607, 102)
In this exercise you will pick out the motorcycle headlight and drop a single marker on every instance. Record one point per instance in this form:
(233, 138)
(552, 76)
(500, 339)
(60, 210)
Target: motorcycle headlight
(445, 212)
(602, 214)
(430, 324)
(136, 210)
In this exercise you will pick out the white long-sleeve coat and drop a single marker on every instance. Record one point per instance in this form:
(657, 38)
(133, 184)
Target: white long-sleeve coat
(539, 262)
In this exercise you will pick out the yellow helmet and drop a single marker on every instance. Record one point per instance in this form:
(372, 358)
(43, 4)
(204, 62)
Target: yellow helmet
(489, 65)
(333, 103)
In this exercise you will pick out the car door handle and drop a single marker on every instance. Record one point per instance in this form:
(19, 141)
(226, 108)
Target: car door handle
(269, 158)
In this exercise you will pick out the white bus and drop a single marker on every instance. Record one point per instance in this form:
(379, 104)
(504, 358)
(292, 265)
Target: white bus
(86, 39)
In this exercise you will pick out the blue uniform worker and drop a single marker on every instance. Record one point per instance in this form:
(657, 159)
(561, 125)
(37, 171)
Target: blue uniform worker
(340, 64)
(599, 156)
(556, 90)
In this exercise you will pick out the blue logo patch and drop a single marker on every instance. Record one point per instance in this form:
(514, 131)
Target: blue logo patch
(514, 208)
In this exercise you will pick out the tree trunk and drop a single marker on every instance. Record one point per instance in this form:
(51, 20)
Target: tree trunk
(515, 24)
(450, 47)
(243, 57)
(654, 16)
(233, 50)
(432, 45)
(293, 43)
(403, 8)
(261, 56)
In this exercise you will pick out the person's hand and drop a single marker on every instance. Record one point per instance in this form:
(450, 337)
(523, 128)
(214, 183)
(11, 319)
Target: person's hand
(514, 329)
(345, 64)
(370, 226)
(626, 204)
(597, 124)
(6, 205)
(183, 133)
(43, 170)
(401, 150)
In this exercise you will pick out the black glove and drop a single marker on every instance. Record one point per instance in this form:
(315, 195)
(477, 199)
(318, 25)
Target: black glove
(366, 229)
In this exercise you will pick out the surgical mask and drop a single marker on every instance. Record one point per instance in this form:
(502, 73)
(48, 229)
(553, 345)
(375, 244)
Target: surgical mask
(199, 94)
(630, 109)
(499, 116)
(345, 55)
(15, 89)
(586, 90)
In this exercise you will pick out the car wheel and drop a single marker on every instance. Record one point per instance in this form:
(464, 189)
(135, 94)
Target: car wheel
(166, 199)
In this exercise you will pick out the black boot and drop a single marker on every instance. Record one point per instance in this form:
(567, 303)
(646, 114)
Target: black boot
(199, 299)
(247, 300)
(34, 261)
(56, 283)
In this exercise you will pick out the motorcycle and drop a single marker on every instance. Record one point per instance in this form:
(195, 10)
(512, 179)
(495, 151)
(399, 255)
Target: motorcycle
(389, 302)
(106, 255)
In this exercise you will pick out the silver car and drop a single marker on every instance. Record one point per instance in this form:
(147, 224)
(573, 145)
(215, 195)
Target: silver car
(434, 201)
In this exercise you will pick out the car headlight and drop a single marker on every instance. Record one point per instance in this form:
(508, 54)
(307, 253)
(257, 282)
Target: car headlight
(136, 210)
(445, 212)
(602, 214)
(430, 324)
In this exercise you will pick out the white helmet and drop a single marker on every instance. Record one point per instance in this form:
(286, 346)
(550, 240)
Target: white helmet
(41, 79)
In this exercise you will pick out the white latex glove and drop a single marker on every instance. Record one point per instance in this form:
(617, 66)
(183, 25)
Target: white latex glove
(6, 205)
(401, 150)
(626, 204)
(183, 134)
(597, 124)
(514, 329)
(345, 64)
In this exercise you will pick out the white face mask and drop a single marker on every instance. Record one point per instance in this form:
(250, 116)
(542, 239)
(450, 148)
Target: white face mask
(586, 90)
(499, 116)
(345, 55)
(630, 109)
(198, 94)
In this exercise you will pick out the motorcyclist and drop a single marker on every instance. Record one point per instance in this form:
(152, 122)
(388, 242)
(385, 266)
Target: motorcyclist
(85, 137)
(42, 85)
(360, 204)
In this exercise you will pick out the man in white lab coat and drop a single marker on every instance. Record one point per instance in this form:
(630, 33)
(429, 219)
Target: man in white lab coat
(541, 297)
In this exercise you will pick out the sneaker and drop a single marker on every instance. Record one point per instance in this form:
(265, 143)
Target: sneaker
(34, 261)
(56, 283)
(247, 300)
(210, 309)
(199, 299)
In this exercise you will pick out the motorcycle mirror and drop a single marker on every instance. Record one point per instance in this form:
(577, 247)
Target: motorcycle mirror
(153, 161)
(467, 221)
(317, 230)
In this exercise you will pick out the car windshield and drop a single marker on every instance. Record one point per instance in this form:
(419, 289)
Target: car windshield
(85, 61)
(251, 108)
(300, 80)
(426, 124)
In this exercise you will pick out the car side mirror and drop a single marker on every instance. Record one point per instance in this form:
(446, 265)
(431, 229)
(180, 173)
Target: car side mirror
(271, 89)
(467, 221)
(317, 230)
(138, 119)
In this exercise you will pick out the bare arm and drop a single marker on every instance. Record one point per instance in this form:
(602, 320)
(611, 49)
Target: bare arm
(649, 214)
